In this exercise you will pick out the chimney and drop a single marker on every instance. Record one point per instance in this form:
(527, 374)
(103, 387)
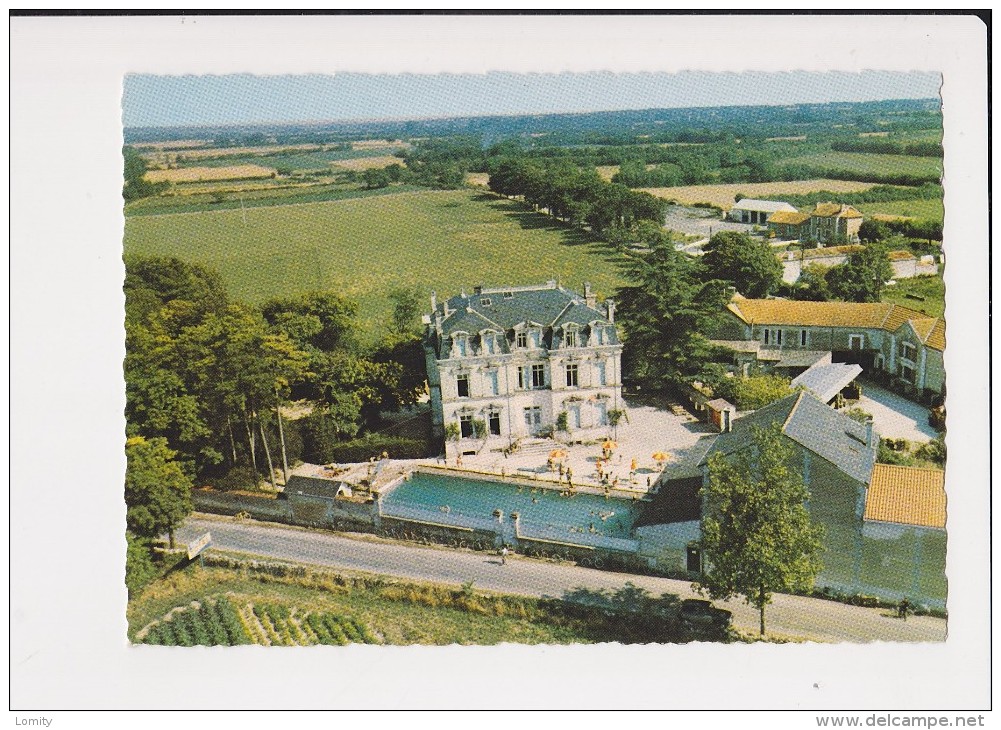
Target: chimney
(478, 289)
(589, 297)
(462, 292)
(434, 301)
(610, 307)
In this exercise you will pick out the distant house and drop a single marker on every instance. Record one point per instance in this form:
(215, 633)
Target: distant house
(905, 344)
(507, 363)
(791, 225)
(748, 210)
(835, 223)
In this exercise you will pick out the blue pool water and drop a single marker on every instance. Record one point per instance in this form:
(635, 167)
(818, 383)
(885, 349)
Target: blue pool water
(543, 511)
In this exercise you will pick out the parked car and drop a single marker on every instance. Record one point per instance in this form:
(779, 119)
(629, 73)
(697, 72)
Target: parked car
(702, 614)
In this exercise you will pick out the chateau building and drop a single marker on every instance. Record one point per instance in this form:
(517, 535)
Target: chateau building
(518, 362)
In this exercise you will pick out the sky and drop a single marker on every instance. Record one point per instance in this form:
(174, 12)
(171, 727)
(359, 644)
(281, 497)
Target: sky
(154, 101)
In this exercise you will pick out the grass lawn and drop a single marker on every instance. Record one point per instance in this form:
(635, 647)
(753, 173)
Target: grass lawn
(400, 613)
(932, 209)
(863, 162)
(931, 288)
(365, 247)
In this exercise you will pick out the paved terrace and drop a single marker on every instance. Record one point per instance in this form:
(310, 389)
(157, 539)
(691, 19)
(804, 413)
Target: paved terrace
(649, 429)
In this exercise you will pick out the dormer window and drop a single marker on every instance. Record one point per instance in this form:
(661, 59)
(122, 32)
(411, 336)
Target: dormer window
(485, 302)
(599, 335)
(509, 295)
(489, 343)
(461, 346)
(521, 340)
(536, 336)
(570, 338)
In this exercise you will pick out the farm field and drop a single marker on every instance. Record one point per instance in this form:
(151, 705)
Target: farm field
(923, 293)
(360, 164)
(722, 195)
(366, 247)
(221, 606)
(866, 163)
(928, 209)
(279, 194)
(202, 174)
(478, 179)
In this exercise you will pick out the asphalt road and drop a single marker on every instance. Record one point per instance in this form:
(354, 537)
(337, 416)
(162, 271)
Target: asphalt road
(787, 616)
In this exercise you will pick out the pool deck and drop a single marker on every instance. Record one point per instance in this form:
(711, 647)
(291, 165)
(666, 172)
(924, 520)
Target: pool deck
(648, 430)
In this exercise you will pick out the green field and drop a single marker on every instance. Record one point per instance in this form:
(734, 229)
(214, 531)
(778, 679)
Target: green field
(926, 209)
(865, 163)
(930, 289)
(365, 247)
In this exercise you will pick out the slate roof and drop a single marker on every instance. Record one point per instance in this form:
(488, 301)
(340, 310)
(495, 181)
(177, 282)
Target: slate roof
(906, 495)
(813, 425)
(827, 380)
(801, 358)
(502, 309)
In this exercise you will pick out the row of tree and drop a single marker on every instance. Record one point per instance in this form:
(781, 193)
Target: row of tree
(576, 196)
(206, 379)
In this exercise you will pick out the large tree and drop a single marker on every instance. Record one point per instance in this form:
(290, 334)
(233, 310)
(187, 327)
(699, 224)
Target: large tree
(862, 276)
(757, 536)
(157, 492)
(665, 315)
(748, 264)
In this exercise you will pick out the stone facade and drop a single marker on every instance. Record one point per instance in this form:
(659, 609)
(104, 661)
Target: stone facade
(504, 364)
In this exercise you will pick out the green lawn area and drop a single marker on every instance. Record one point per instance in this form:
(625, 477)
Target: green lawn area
(365, 247)
(863, 162)
(931, 288)
(933, 209)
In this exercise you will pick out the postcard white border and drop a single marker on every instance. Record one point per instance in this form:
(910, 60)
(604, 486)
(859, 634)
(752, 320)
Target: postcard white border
(67, 348)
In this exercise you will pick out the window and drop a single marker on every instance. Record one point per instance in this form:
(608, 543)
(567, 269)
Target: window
(773, 337)
(485, 302)
(489, 343)
(460, 346)
(907, 373)
(803, 338)
(492, 382)
(466, 425)
(572, 376)
(856, 342)
(602, 414)
(521, 340)
(508, 294)
(599, 334)
(570, 338)
(538, 376)
(602, 378)
(462, 384)
(533, 418)
(522, 378)
(907, 350)
(493, 423)
(536, 338)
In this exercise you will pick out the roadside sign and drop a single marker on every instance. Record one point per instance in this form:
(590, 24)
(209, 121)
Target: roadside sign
(194, 548)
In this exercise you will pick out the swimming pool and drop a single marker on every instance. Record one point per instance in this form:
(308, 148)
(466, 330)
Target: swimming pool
(544, 512)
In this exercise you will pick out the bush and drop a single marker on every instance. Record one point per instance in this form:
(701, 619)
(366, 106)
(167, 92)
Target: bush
(758, 391)
(375, 444)
(239, 477)
(139, 568)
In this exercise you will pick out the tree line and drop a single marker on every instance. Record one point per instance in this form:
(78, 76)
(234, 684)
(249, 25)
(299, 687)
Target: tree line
(889, 147)
(207, 378)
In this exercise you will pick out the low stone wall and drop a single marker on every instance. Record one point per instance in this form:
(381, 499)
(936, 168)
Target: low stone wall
(298, 510)
(429, 532)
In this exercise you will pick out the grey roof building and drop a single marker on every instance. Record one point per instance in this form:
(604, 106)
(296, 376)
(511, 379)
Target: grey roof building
(507, 362)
